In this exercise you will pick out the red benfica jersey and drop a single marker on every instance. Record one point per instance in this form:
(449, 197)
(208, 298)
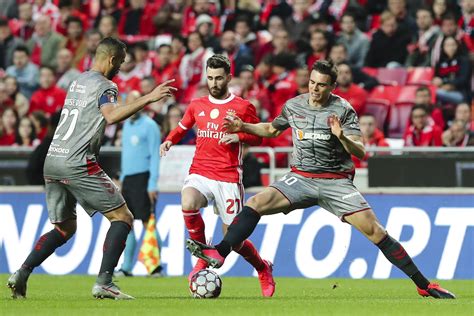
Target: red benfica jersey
(212, 160)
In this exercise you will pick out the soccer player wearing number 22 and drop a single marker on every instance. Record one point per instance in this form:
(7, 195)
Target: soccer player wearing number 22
(73, 175)
(216, 172)
(325, 134)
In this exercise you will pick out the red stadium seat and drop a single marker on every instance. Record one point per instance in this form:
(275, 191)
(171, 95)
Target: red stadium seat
(399, 118)
(379, 108)
(420, 76)
(407, 94)
(371, 71)
(392, 76)
(389, 93)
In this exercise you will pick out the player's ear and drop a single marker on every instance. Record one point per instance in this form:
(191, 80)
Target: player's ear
(229, 77)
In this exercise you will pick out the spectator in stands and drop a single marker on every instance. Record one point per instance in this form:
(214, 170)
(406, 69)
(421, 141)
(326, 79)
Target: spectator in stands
(34, 170)
(347, 89)
(354, 40)
(424, 40)
(20, 102)
(192, 12)
(298, 23)
(423, 97)
(108, 26)
(67, 11)
(282, 86)
(440, 8)
(26, 25)
(48, 98)
(389, 44)
(143, 62)
(466, 21)
(108, 8)
(169, 18)
(164, 68)
(25, 135)
(45, 43)
(245, 35)
(280, 43)
(25, 72)
(45, 8)
(192, 69)
(155, 109)
(463, 113)
(338, 54)
(5, 100)
(178, 49)
(126, 79)
(452, 73)
(420, 132)
(9, 9)
(251, 173)
(93, 39)
(171, 121)
(10, 122)
(41, 123)
(8, 43)
(138, 19)
(65, 73)
(238, 54)
(320, 45)
(302, 80)
(457, 135)
(371, 137)
(399, 9)
(75, 40)
(205, 28)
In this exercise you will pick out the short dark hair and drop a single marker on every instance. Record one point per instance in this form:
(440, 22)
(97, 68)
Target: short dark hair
(91, 32)
(111, 46)
(419, 107)
(219, 61)
(326, 67)
(3, 21)
(423, 88)
(49, 68)
(74, 19)
(22, 48)
(162, 46)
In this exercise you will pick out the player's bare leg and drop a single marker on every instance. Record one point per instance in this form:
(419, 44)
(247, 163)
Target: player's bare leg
(367, 223)
(121, 221)
(269, 201)
(43, 248)
(192, 201)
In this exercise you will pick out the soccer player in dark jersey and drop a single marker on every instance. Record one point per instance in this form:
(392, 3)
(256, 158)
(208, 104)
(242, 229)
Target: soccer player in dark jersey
(72, 174)
(325, 134)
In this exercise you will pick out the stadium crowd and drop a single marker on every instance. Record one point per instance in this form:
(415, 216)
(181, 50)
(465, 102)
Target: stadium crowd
(405, 66)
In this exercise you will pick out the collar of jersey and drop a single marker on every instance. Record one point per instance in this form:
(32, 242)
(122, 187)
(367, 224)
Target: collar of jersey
(217, 101)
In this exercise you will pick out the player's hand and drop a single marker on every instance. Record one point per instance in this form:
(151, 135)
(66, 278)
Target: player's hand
(335, 125)
(232, 124)
(163, 90)
(229, 139)
(165, 147)
(153, 195)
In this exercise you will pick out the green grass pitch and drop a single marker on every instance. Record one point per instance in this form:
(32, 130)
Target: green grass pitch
(70, 295)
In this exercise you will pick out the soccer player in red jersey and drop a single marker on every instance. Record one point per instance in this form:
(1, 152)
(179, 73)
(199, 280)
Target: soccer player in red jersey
(216, 172)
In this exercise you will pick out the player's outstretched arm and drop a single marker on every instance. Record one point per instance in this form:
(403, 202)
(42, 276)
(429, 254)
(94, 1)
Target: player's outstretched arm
(352, 143)
(234, 124)
(114, 113)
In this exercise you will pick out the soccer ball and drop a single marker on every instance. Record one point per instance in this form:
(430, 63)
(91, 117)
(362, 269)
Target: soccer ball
(205, 284)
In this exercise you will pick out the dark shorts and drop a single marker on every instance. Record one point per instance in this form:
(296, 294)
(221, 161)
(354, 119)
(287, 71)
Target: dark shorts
(95, 193)
(135, 193)
(338, 196)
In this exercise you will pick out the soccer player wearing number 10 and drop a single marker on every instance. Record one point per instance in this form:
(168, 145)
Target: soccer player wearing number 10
(325, 134)
(72, 174)
(216, 171)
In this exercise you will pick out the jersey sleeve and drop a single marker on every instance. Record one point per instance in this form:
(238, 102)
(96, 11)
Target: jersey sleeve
(186, 123)
(250, 116)
(281, 121)
(350, 122)
(108, 97)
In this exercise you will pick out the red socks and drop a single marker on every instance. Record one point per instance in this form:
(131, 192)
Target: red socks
(195, 225)
(250, 253)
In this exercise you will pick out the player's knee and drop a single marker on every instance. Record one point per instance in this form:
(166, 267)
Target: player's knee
(258, 202)
(67, 228)
(375, 232)
(191, 202)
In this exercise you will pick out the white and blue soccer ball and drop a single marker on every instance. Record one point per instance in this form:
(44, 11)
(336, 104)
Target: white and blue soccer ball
(205, 284)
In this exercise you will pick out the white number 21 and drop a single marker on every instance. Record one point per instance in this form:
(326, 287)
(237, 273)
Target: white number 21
(64, 117)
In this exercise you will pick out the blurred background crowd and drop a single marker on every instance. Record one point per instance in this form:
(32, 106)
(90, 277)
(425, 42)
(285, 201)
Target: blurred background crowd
(405, 66)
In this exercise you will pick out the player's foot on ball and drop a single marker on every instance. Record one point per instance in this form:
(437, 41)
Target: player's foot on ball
(205, 252)
(111, 291)
(266, 279)
(17, 283)
(436, 291)
(201, 264)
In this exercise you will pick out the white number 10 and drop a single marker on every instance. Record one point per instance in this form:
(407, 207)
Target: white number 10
(64, 116)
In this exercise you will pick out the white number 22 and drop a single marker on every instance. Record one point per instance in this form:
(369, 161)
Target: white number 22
(64, 117)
